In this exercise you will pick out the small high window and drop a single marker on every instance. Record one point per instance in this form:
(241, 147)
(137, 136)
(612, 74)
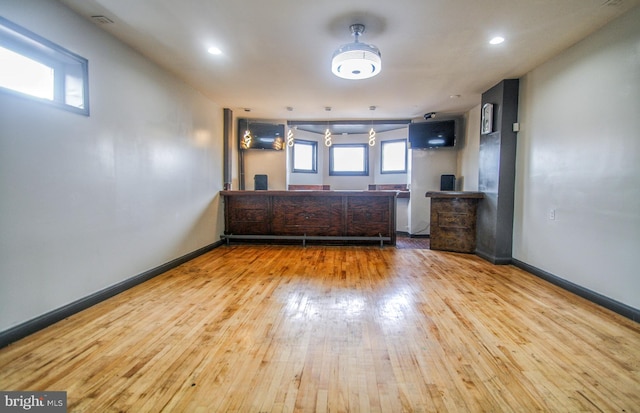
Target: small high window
(34, 67)
(349, 159)
(305, 156)
(393, 156)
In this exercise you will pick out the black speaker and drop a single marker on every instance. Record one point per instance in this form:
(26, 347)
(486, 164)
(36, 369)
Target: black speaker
(447, 182)
(260, 182)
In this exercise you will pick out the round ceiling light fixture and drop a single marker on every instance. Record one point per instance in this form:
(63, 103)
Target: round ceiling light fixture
(356, 60)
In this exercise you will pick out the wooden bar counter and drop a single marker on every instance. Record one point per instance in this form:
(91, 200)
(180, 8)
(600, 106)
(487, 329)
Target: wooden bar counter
(453, 220)
(321, 216)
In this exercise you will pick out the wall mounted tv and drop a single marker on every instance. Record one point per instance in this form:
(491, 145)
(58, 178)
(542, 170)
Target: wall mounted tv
(263, 135)
(436, 134)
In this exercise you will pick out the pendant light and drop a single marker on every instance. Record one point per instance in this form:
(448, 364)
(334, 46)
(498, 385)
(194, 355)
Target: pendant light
(327, 137)
(290, 140)
(247, 138)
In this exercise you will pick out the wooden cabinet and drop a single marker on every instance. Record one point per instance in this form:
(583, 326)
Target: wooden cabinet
(248, 214)
(307, 215)
(453, 220)
(336, 216)
(368, 216)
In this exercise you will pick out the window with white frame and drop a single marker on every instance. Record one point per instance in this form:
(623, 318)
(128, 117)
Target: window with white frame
(305, 156)
(393, 156)
(349, 159)
(39, 69)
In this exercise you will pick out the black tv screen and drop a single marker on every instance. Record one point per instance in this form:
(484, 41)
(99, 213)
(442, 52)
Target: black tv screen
(437, 134)
(263, 135)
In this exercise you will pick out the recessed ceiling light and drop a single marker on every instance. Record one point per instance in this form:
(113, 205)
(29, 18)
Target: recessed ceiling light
(496, 40)
(214, 50)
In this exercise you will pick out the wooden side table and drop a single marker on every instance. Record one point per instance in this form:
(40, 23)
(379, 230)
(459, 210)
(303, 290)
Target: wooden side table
(453, 220)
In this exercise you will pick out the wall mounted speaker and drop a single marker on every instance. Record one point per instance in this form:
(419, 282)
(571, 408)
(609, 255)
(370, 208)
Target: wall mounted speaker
(447, 182)
(260, 182)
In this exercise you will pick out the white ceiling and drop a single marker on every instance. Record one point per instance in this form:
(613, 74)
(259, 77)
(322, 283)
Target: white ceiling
(277, 54)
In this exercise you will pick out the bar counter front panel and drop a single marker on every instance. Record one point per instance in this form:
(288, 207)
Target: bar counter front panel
(348, 214)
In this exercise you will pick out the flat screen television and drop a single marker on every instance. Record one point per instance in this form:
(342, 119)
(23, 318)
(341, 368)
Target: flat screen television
(436, 134)
(263, 135)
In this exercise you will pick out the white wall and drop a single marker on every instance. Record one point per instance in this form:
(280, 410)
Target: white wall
(375, 177)
(261, 162)
(307, 178)
(87, 202)
(468, 152)
(579, 155)
(376, 153)
(265, 162)
(402, 204)
(427, 165)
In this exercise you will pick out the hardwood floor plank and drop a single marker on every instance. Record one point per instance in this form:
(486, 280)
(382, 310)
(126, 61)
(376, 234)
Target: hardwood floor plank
(336, 329)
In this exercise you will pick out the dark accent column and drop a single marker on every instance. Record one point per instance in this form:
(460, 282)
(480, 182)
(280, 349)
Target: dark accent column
(497, 168)
(227, 145)
(241, 180)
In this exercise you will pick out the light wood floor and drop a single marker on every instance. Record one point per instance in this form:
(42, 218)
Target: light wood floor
(359, 329)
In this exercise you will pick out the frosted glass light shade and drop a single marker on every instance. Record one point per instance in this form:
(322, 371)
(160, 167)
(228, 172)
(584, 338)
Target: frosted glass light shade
(356, 61)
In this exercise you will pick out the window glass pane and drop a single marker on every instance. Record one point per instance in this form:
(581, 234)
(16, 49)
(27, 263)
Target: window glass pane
(349, 159)
(74, 86)
(394, 156)
(302, 156)
(24, 75)
(33, 66)
(305, 156)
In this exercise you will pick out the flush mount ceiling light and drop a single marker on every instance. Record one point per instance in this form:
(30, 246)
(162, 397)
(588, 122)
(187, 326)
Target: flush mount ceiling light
(356, 60)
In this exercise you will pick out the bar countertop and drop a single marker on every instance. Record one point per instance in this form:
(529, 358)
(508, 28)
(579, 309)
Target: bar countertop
(318, 193)
(454, 194)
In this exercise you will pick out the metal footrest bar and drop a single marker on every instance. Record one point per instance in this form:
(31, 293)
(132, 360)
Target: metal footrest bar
(305, 238)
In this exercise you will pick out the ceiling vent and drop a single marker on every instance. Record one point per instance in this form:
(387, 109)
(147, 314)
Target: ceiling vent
(101, 20)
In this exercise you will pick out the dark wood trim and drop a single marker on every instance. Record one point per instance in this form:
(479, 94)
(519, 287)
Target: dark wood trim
(455, 194)
(29, 327)
(401, 189)
(606, 302)
(388, 187)
(309, 187)
(315, 193)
